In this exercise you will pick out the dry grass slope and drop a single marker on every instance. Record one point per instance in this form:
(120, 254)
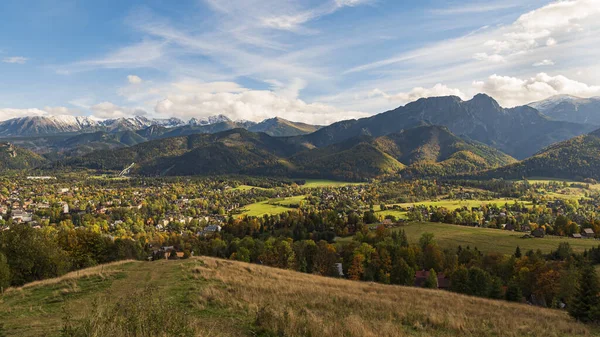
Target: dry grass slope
(211, 297)
(288, 303)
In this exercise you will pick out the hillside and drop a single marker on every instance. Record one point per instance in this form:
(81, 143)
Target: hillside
(16, 158)
(435, 151)
(355, 159)
(426, 151)
(519, 132)
(570, 109)
(206, 296)
(279, 127)
(233, 151)
(576, 158)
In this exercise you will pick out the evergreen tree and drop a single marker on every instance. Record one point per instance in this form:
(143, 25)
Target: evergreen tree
(518, 252)
(431, 282)
(4, 273)
(585, 304)
(496, 288)
(514, 292)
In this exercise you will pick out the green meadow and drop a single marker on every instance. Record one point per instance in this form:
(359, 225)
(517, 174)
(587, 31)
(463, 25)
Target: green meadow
(453, 204)
(490, 240)
(272, 206)
(313, 183)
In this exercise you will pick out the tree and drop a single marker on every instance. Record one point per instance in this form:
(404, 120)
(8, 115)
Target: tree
(459, 281)
(356, 270)
(402, 273)
(431, 282)
(479, 282)
(518, 252)
(4, 273)
(584, 306)
(496, 291)
(426, 240)
(513, 292)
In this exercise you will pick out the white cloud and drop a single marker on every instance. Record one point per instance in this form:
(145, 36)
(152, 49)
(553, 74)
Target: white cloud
(512, 91)
(255, 105)
(419, 92)
(61, 110)
(475, 8)
(133, 79)
(15, 59)
(494, 58)
(351, 3)
(542, 63)
(139, 55)
(106, 110)
(550, 42)
(9, 113)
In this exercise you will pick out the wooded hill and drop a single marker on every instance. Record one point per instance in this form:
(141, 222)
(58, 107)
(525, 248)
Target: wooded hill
(16, 158)
(577, 158)
(421, 151)
(519, 132)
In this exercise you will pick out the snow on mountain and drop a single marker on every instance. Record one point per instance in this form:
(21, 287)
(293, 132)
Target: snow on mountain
(209, 120)
(552, 101)
(168, 122)
(570, 109)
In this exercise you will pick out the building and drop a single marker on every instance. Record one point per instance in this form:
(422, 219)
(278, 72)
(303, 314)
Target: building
(212, 228)
(21, 216)
(538, 232)
(588, 233)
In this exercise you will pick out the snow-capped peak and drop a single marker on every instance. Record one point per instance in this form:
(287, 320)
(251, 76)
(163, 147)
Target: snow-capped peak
(209, 120)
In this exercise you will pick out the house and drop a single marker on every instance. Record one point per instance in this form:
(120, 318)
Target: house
(340, 269)
(212, 228)
(588, 233)
(421, 277)
(576, 236)
(538, 232)
(21, 216)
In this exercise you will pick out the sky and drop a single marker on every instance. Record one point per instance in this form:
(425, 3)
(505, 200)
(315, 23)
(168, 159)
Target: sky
(304, 60)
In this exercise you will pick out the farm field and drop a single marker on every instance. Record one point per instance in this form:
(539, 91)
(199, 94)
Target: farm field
(247, 188)
(454, 204)
(312, 183)
(490, 240)
(271, 206)
(211, 297)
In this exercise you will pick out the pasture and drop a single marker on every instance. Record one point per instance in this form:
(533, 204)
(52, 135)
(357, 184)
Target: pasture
(211, 297)
(271, 206)
(490, 240)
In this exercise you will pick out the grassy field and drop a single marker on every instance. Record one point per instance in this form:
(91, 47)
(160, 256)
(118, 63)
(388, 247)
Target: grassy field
(490, 240)
(454, 204)
(271, 206)
(312, 183)
(247, 188)
(211, 297)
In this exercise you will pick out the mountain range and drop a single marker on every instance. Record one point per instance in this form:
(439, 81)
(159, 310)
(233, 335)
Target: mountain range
(577, 158)
(431, 137)
(570, 109)
(56, 125)
(421, 151)
(519, 132)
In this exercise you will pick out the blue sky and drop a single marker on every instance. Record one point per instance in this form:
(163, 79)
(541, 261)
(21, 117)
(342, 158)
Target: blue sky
(311, 61)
